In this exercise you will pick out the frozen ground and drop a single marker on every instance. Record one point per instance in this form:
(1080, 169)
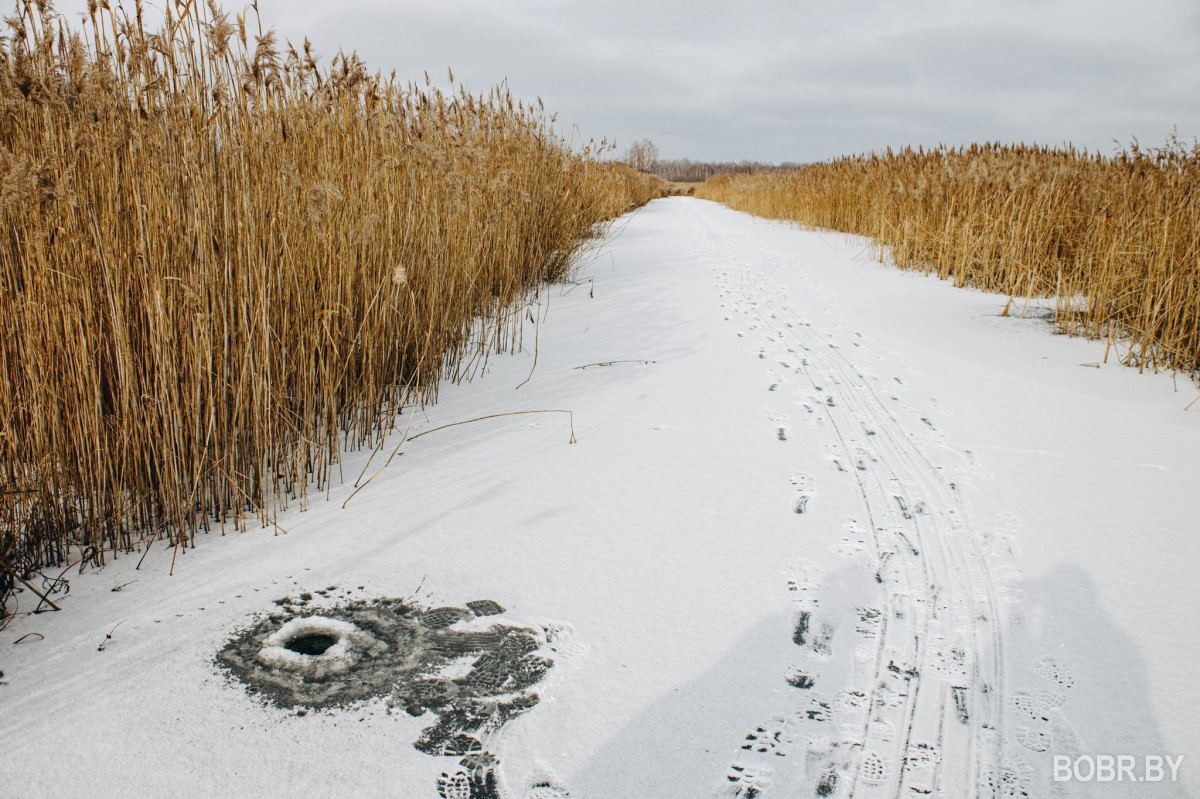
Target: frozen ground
(829, 528)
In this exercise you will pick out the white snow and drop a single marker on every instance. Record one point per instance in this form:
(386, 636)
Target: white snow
(988, 528)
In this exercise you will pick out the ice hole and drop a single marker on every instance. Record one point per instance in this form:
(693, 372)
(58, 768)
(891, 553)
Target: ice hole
(313, 644)
(317, 646)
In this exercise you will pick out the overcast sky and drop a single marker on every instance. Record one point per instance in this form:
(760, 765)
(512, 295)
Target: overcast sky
(800, 80)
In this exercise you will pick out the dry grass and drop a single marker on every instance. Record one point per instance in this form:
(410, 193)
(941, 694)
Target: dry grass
(680, 188)
(1115, 239)
(222, 264)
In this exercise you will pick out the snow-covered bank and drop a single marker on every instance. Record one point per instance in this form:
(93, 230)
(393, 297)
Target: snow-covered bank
(847, 529)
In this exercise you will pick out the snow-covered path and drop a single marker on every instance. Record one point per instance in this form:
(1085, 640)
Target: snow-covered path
(829, 529)
(920, 683)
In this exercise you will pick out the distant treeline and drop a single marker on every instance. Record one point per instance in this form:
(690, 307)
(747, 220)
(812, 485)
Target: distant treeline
(685, 170)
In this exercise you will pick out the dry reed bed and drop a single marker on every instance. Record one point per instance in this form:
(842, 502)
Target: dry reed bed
(1115, 239)
(221, 264)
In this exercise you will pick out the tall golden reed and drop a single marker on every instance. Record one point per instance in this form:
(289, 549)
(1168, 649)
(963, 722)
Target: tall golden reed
(1115, 239)
(221, 265)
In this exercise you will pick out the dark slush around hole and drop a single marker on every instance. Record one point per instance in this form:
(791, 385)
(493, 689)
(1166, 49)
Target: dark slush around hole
(312, 644)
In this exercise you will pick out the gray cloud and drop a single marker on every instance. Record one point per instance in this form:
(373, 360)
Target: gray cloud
(800, 80)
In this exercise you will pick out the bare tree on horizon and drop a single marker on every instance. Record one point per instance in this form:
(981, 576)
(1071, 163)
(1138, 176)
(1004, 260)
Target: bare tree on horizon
(642, 155)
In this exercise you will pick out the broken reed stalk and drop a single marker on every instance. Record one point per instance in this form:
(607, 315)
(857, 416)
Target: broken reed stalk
(222, 263)
(611, 363)
(17, 576)
(1115, 239)
(404, 439)
(570, 421)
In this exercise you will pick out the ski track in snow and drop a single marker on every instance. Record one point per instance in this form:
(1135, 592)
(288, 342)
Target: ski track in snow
(927, 711)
